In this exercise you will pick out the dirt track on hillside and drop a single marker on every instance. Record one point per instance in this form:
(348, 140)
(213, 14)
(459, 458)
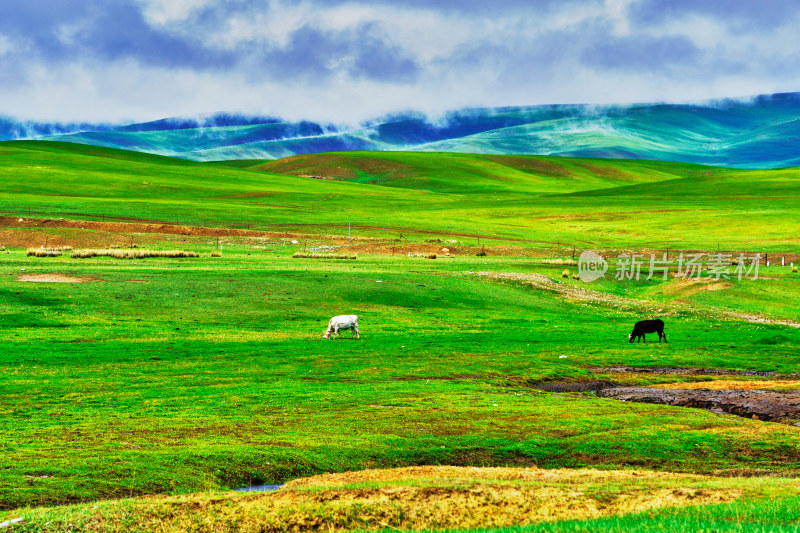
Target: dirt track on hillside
(576, 293)
(132, 225)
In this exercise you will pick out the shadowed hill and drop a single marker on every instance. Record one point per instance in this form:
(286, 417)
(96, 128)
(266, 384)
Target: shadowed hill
(67, 149)
(758, 133)
(444, 172)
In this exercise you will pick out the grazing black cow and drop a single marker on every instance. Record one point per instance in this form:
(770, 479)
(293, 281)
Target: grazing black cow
(648, 326)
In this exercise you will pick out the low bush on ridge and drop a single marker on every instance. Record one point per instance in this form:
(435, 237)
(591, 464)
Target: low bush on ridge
(46, 252)
(132, 253)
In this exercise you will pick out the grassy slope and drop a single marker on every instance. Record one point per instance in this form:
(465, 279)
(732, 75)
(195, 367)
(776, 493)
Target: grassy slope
(683, 204)
(486, 174)
(447, 498)
(211, 373)
(521, 200)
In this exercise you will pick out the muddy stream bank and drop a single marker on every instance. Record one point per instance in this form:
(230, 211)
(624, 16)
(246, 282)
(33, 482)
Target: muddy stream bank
(752, 400)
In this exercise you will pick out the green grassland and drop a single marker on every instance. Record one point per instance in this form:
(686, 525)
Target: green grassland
(172, 376)
(530, 201)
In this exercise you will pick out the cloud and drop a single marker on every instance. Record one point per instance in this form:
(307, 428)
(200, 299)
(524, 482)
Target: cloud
(641, 53)
(348, 60)
(741, 15)
(314, 55)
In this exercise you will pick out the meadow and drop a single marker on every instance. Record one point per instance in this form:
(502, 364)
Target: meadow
(179, 375)
(534, 202)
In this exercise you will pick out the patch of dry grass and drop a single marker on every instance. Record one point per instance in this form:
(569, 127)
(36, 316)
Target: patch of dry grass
(55, 278)
(303, 255)
(131, 253)
(727, 384)
(687, 287)
(427, 497)
(565, 262)
(48, 252)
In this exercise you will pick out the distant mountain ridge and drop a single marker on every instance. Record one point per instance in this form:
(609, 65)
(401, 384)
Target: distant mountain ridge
(12, 130)
(763, 132)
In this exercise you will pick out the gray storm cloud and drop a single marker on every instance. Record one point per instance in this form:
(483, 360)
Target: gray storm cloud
(346, 61)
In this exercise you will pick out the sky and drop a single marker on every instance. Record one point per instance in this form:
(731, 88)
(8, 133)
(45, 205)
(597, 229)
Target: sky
(345, 61)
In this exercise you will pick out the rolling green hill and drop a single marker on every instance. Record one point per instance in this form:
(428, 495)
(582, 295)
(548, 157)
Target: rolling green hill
(530, 201)
(473, 173)
(205, 372)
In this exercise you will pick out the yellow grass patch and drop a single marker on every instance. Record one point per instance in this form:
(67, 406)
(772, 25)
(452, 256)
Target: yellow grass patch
(131, 253)
(732, 384)
(688, 287)
(429, 497)
(301, 255)
(55, 278)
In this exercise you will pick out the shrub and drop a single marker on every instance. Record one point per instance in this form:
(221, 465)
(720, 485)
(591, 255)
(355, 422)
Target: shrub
(132, 253)
(43, 252)
(794, 269)
(481, 254)
(431, 256)
(565, 273)
(216, 254)
(575, 275)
